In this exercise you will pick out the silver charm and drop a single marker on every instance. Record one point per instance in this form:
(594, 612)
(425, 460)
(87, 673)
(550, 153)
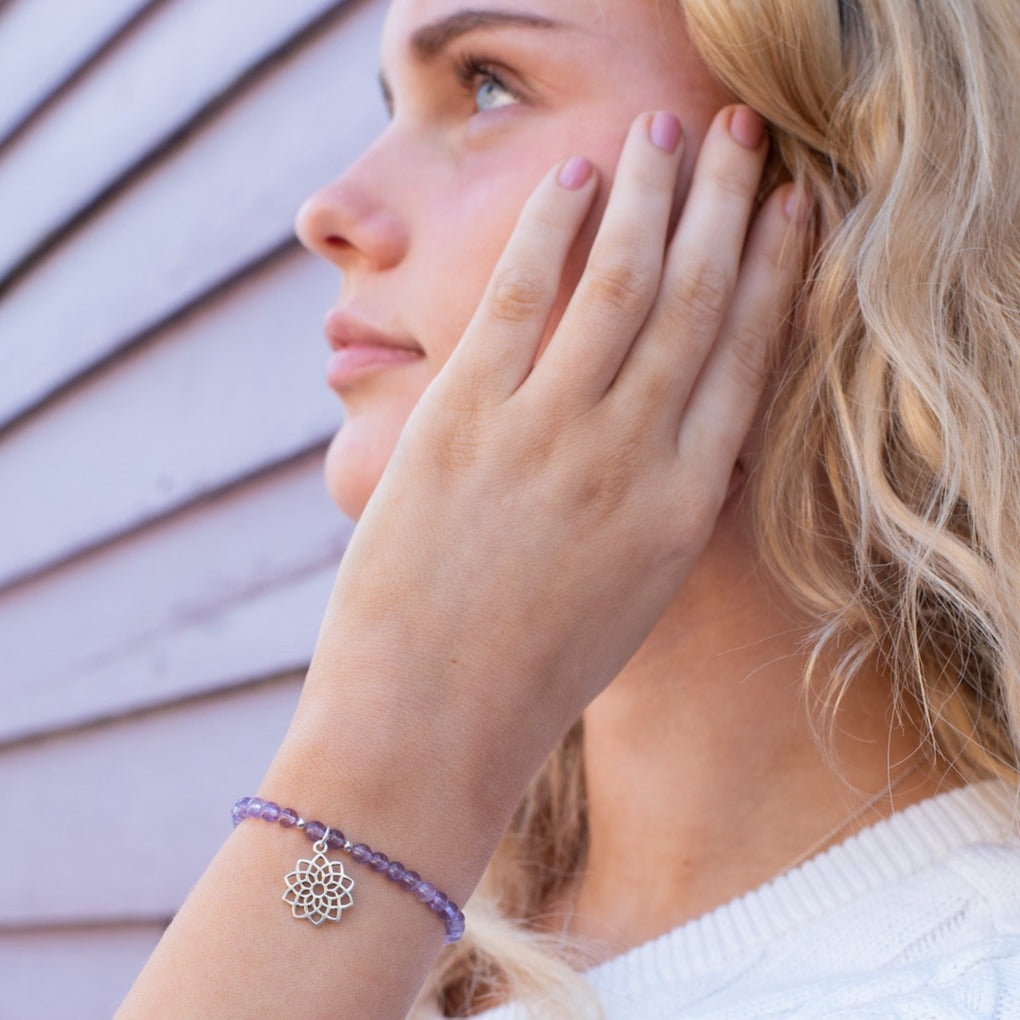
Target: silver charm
(319, 890)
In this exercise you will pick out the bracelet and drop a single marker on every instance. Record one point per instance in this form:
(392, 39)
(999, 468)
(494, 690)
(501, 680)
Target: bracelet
(319, 890)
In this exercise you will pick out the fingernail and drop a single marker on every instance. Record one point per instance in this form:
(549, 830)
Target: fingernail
(575, 173)
(747, 128)
(665, 132)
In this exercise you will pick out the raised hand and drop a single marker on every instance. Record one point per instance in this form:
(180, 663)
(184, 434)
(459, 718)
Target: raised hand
(550, 493)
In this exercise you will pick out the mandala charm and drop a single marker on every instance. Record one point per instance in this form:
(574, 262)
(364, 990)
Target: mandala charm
(319, 890)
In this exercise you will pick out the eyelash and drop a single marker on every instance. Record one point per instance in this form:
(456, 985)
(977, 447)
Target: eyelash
(472, 71)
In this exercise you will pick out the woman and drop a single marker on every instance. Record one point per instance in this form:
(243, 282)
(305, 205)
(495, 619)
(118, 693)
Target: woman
(771, 555)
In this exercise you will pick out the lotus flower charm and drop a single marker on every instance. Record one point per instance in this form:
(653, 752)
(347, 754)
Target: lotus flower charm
(319, 890)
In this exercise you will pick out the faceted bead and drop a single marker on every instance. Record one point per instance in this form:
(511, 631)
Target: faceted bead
(288, 818)
(361, 853)
(410, 880)
(396, 871)
(425, 892)
(455, 923)
(379, 862)
(270, 811)
(336, 840)
(315, 831)
(454, 933)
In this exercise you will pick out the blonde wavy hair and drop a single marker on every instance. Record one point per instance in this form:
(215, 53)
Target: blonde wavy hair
(889, 493)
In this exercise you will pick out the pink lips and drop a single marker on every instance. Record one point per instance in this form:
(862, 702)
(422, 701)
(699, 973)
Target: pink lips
(360, 350)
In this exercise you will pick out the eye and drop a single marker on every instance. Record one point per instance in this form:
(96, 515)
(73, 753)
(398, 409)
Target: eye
(492, 93)
(486, 85)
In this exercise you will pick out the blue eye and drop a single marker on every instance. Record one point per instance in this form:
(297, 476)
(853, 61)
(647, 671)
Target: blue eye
(483, 84)
(491, 93)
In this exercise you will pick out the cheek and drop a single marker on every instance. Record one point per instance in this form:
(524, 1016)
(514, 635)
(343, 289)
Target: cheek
(472, 225)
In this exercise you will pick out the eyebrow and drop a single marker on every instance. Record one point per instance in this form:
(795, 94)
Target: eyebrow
(430, 40)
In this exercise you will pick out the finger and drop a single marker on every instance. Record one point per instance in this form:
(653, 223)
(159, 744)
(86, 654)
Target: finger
(621, 278)
(724, 400)
(502, 339)
(702, 267)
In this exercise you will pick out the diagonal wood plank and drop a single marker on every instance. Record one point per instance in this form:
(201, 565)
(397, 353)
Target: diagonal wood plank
(90, 968)
(179, 62)
(235, 385)
(232, 588)
(43, 42)
(218, 202)
(147, 799)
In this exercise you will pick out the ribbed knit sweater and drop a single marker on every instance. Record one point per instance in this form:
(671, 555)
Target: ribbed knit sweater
(916, 917)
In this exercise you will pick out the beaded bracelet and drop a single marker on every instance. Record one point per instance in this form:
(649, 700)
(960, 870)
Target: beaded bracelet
(320, 890)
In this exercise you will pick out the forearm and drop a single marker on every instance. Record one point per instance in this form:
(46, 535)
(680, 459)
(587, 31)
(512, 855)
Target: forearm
(235, 950)
(407, 739)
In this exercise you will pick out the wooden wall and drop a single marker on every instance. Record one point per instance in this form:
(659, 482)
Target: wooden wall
(166, 543)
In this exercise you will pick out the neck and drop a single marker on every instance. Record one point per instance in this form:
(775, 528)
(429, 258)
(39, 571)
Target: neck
(704, 771)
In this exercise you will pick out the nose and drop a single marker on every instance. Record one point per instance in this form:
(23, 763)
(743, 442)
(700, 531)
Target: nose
(350, 224)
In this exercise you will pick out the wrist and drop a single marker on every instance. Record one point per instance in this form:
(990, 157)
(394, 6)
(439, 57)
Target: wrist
(407, 784)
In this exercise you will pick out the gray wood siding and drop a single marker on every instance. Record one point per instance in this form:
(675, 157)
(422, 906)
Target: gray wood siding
(166, 541)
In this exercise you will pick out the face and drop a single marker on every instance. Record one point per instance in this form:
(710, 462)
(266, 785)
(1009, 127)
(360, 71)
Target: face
(483, 103)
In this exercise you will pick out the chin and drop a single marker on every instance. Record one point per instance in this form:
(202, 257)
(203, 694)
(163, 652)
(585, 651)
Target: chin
(355, 461)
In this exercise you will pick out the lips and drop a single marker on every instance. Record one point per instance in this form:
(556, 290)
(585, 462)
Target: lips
(360, 350)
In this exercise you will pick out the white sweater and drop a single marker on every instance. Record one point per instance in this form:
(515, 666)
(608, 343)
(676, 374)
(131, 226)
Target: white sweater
(916, 917)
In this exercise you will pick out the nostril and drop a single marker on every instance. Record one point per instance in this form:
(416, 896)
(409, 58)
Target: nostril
(337, 244)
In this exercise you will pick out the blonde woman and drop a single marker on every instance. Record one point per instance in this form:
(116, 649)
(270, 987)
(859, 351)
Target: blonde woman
(684, 446)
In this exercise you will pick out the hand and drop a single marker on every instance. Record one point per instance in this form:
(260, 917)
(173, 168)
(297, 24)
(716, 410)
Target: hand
(543, 506)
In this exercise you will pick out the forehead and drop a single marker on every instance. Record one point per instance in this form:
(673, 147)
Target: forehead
(634, 52)
(409, 20)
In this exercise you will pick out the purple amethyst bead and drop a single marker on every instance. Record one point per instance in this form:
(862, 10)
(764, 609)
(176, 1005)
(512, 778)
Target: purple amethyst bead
(425, 892)
(361, 853)
(410, 880)
(396, 871)
(288, 818)
(315, 831)
(439, 902)
(379, 862)
(455, 923)
(240, 810)
(270, 811)
(336, 839)
(255, 806)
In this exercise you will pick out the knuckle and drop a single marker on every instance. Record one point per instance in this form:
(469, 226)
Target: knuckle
(660, 377)
(649, 179)
(748, 342)
(605, 490)
(517, 295)
(733, 183)
(623, 284)
(703, 290)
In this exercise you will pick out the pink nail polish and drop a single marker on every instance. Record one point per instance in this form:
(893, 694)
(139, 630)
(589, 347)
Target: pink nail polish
(575, 173)
(747, 128)
(665, 132)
